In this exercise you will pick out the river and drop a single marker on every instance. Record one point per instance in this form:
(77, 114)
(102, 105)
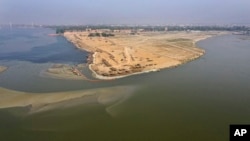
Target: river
(195, 101)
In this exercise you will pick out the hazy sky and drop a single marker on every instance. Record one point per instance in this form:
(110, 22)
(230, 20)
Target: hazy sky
(124, 11)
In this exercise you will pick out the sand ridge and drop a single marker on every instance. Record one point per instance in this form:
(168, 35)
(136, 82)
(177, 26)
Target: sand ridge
(126, 54)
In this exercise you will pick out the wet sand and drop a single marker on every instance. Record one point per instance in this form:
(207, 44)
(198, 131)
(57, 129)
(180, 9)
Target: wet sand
(64, 71)
(125, 54)
(68, 72)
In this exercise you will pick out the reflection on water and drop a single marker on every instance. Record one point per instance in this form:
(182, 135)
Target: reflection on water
(195, 101)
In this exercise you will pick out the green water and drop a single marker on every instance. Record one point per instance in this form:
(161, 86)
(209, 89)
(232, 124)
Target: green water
(196, 101)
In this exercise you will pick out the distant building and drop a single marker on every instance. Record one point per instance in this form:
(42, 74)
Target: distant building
(103, 30)
(140, 30)
(126, 31)
(88, 29)
(116, 31)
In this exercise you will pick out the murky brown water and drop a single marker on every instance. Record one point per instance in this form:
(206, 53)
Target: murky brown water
(196, 101)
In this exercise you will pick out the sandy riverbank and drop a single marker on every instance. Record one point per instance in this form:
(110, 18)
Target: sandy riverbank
(3, 68)
(125, 54)
(48, 101)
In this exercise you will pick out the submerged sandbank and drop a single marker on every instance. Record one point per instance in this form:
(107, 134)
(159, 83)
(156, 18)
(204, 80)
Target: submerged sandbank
(125, 54)
(47, 101)
(3, 68)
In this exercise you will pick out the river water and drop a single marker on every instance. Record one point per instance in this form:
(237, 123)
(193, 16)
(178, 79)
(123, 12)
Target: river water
(195, 101)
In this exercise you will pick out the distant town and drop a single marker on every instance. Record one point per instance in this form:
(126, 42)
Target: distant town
(134, 29)
(137, 29)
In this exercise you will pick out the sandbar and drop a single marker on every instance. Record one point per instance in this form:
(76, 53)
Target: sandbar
(41, 102)
(3, 68)
(125, 54)
(64, 71)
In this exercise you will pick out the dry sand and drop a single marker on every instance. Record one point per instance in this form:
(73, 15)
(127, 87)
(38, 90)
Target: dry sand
(47, 101)
(3, 68)
(125, 54)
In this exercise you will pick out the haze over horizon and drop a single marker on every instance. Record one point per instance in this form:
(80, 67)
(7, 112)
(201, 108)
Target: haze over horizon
(125, 12)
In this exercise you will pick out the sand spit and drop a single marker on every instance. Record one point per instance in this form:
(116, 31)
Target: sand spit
(125, 54)
(49, 101)
(3, 68)
(68, 72)
(64, 71)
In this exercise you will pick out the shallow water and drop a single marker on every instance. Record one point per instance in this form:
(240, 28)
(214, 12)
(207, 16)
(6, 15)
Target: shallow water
(29, 51)
(195, 101)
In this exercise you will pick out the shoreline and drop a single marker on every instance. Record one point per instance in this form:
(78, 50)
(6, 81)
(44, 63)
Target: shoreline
(93, 58)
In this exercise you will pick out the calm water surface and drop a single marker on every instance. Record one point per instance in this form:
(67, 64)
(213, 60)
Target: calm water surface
(196, 101)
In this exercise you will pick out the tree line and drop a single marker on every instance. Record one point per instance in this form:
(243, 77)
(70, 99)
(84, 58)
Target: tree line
(62, 29)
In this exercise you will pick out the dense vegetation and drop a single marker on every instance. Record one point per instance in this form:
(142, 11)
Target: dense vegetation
(107, 34)
(208, 28)
(94, 35)
(100, 34)
(62, 29)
